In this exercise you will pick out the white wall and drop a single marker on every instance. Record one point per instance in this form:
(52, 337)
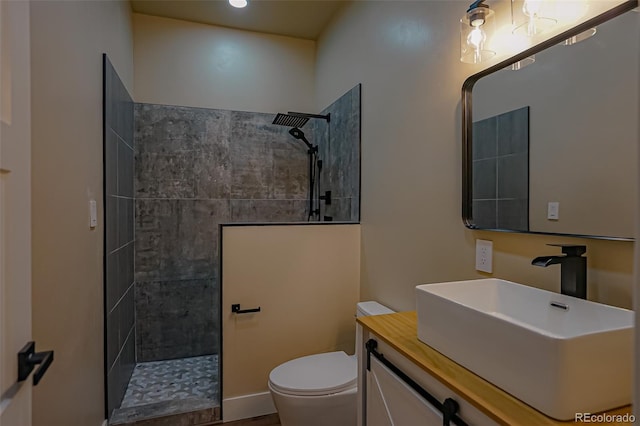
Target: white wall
(68, 39)
(405, 54)
(189, 64)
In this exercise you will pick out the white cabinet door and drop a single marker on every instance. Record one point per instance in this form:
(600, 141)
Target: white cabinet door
(391, 402)
(387, 400)
(15, 209)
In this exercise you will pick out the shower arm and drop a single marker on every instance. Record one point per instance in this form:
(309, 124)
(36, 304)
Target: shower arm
(307, 115)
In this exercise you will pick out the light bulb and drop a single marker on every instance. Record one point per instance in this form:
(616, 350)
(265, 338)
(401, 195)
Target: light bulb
(238, 3)
(476, 38)
(531, 8)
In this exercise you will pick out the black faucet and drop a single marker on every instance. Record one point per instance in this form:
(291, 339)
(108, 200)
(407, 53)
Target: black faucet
(573, 269)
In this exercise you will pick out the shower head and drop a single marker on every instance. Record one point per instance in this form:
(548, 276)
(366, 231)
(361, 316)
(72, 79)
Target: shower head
(290, 120)
(299, 134)
(297, 119)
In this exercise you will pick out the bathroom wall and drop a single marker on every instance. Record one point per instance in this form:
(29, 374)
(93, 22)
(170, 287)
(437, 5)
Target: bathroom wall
(67, 43)
(405, 54)
(305, 278)
(197, 168)
(119, 239)
(184, 63)
(339, 148)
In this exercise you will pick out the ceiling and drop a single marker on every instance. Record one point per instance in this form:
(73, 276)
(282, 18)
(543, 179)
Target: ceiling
(295, 18)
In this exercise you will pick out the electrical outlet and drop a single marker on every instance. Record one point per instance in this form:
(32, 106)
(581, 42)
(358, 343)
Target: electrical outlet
(484, 256)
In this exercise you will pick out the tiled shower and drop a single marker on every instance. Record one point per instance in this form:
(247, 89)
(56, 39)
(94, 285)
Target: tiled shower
(195, 169)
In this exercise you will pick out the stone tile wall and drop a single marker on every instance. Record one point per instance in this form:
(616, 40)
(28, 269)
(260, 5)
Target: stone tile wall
(119, 237)
(339, 148)
(197, 168)
(501, 171)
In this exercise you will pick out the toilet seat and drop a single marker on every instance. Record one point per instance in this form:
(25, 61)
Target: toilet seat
(314, 375)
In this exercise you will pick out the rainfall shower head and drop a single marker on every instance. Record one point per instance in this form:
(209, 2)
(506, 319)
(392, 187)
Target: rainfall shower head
(297, 119)
(290, 120)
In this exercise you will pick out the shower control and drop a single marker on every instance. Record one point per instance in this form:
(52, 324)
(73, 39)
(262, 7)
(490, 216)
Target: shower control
(326, 197)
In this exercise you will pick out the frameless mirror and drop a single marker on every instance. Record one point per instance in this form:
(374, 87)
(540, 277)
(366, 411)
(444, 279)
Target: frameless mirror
(552, 147)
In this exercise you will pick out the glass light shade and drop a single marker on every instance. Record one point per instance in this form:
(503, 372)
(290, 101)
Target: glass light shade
(238, 3)
(477, 27)
(532, 17)
(580, 37)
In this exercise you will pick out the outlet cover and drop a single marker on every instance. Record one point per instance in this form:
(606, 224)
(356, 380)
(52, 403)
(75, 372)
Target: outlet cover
(484, 256)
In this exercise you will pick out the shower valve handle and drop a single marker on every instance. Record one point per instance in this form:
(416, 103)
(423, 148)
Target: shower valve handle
(235, 308)
(326, 197)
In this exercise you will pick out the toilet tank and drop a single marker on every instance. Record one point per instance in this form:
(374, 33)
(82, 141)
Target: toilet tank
(366, 309)
(372, 308)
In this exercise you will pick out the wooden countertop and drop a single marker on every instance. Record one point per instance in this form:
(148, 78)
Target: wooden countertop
(400, 332)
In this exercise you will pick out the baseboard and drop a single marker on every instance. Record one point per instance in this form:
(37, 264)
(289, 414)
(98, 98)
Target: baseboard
(247, 406)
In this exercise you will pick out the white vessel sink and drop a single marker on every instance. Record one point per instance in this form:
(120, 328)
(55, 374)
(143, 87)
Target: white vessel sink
(559, 361)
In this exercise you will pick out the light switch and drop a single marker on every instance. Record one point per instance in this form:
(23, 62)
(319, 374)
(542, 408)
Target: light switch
(93, 214)
(553, 210)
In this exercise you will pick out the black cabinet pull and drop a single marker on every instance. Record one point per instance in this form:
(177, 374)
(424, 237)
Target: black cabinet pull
(28, 358)
(235, 308)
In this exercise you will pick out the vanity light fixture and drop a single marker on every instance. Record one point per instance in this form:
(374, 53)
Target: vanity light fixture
(580, 37)
(523, 63)
(476, 27)
(238, 3)
(531, 17)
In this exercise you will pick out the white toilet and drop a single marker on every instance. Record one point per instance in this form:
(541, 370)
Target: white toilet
(321, 389)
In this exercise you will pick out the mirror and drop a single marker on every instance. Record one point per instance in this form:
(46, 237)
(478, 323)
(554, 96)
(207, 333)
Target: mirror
(552, 147)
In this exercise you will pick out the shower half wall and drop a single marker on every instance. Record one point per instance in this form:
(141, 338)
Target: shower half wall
(195, 169)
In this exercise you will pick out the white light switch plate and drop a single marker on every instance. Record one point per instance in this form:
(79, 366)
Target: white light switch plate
(484, 256)
(553, 210)
(93, 214)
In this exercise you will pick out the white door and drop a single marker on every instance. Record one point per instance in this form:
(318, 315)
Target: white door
(15, 209)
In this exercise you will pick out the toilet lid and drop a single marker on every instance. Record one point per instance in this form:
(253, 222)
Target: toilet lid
(320, 374)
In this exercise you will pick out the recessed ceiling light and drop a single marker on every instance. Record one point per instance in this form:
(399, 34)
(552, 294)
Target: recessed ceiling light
(238, 3)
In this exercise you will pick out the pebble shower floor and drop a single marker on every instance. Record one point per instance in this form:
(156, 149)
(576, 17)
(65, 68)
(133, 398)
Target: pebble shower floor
(160, 381)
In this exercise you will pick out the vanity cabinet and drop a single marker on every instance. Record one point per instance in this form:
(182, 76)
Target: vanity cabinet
(404, 382)
(395, 392)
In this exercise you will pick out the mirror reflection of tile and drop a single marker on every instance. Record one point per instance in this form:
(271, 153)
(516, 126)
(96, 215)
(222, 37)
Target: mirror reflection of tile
(501, 171)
